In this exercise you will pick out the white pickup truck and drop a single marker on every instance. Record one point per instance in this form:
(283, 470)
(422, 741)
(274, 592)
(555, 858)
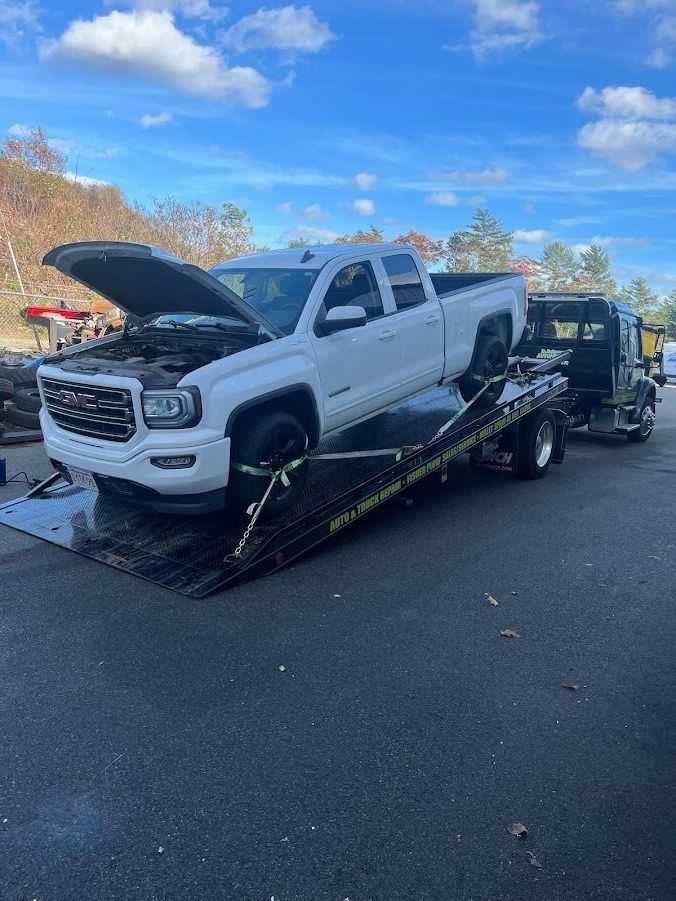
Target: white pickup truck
(221, 376)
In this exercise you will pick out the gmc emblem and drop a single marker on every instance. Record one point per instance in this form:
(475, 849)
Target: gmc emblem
(81, 401)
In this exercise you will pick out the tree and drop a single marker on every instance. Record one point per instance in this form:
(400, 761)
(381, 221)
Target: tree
(372, 236)
(668, 315)
(595, 271)
(484, 246)
(640, 296)
(558, 267)
(431, 251)
(297, 242)
(529, 268)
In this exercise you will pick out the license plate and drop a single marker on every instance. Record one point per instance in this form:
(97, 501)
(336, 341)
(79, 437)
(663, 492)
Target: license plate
(83, 479)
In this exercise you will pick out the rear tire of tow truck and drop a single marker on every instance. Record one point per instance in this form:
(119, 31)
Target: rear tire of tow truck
(645, 429)
(490, 360)
(537, 434)
(260, 439)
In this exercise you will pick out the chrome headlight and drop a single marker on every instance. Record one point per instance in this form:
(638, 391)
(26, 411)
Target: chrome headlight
(177, 409)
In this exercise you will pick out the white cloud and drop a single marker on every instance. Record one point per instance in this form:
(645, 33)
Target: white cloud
(150, 121)
(74, 149)
(627, 103)
(635, 129)
(191, 9)
(309, 233)
(285, 208)
(365, 181)
(484, 177)
(148, 44)
(314, 213)
(16, 18)
(18, 130)
(607, 241)
(443, 198)
(532, 236)
(86, 180)
(504, 25)
(572, 221)
(659, 17)
(363, 207)
(294, 28)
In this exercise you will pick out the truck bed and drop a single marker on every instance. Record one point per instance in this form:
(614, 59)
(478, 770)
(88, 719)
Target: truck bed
(449, 282)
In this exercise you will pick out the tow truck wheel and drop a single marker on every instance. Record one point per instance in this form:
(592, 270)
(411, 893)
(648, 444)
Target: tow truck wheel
(536, 445)
(262, 441)
(645, 429)
(489, 363)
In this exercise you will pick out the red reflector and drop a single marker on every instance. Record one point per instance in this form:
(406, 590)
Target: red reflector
(279, 558)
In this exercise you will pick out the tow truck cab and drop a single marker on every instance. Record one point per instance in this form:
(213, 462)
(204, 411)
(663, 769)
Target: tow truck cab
(610, 390)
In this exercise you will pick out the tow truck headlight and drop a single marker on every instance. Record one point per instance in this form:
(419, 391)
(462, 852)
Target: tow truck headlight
(177, 409)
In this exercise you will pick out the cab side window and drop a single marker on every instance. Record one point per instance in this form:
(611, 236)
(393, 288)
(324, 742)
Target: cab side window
(404, 280)
(354, 286)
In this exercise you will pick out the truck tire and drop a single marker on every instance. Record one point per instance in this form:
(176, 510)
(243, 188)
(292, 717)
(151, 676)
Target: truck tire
(645, 429)
(22, 418)
(19, 376)
(28, 399)
(262, 439)
(536, 445)
(6, 389)
(490, 361)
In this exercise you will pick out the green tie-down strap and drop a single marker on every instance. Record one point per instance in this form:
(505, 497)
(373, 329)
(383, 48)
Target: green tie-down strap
(267, 472)
(488, 381)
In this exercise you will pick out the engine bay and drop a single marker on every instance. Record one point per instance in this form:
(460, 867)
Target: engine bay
(156, 361)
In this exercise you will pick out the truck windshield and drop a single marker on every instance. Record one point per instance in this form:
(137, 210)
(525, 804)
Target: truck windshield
(278, 294)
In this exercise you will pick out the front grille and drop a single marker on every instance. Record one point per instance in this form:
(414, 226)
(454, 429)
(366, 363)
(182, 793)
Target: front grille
(106, 413)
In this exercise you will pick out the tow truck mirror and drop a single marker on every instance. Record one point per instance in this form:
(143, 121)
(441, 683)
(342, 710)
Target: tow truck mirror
(338, 319)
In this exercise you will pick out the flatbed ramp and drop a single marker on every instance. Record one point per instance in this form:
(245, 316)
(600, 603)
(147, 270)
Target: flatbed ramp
(198, 556)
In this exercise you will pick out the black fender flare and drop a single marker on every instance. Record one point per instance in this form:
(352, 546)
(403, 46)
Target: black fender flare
(263, 400)
(498, 314)
(645, 389)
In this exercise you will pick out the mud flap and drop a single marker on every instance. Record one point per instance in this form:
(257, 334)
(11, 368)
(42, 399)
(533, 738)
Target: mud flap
(498, 455)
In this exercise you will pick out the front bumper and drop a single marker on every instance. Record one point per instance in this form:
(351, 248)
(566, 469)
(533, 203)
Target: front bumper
(117, 467)
(149, 499)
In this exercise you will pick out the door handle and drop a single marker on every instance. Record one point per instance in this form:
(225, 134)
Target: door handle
(387, 334)
(432, 319)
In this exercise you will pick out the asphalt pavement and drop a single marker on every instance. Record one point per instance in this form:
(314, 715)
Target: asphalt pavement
(356, 727)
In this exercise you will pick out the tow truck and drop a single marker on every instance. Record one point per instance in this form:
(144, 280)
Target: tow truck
(554, 382)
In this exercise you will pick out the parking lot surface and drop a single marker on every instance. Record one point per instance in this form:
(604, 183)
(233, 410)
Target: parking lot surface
(356, 727)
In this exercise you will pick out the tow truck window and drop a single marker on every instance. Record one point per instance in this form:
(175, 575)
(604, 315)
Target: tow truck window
(404, 280)
(558, 321)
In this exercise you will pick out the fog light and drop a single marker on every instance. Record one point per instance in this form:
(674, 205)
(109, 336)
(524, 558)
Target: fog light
(184, 462)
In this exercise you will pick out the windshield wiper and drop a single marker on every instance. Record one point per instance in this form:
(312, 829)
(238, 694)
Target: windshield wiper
(175, 324)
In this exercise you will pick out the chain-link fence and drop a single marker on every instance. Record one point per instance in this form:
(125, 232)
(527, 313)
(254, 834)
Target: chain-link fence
(18, 334)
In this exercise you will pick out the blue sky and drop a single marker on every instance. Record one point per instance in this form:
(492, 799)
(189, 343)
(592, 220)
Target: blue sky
(325, 117)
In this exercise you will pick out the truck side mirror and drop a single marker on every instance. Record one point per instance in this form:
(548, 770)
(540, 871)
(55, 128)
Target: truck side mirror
(338, 319)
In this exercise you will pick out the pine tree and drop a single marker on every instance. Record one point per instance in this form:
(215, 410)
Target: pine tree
(668, 315)
(640, 296)
(484, 246)
(558, 267)
(595, 271)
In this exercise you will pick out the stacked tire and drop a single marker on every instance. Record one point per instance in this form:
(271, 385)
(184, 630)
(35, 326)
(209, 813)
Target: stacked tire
(19, 385)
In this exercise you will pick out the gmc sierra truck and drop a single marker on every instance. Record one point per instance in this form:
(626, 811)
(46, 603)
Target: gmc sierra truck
(221, 377)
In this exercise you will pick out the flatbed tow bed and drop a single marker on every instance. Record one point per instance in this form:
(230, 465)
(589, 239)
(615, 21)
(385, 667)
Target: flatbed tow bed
(350, 474)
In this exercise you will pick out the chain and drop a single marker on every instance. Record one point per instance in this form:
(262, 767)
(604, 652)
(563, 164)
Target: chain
(236, 555)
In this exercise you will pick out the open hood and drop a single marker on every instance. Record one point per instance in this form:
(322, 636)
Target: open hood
(146, 281)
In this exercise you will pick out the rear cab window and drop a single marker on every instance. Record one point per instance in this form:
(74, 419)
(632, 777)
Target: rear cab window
(404, 280)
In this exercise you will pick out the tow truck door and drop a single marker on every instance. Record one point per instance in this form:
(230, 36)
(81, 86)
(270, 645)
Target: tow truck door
(629, 372)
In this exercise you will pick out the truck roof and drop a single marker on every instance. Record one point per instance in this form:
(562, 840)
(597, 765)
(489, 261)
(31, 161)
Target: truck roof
(311, 257)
